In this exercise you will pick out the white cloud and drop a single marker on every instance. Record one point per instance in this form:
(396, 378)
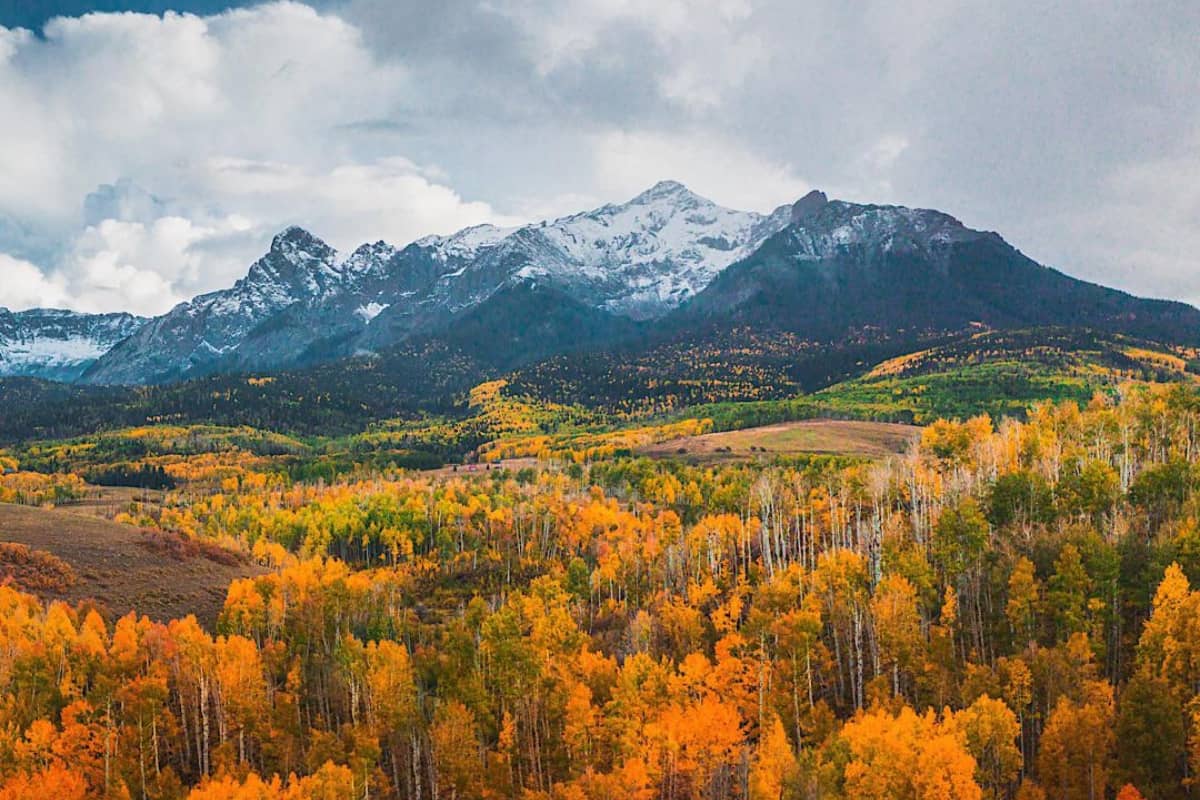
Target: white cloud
(708, 48)
(147, 267)
(23, 285)
(155, 156)
(390, 198)
(626, 162)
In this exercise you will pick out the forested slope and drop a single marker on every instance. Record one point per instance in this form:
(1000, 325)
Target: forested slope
(1004, 611)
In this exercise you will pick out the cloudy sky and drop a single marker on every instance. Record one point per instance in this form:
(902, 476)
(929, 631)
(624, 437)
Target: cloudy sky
(146, 157)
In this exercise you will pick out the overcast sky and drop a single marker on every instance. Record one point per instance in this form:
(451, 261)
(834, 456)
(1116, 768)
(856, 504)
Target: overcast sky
(144, 158)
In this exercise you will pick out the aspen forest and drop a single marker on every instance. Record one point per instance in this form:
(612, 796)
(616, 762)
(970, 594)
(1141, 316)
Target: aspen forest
(1004, 610)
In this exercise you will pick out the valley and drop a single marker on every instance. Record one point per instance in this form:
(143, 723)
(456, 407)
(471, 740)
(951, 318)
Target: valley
(573, 561)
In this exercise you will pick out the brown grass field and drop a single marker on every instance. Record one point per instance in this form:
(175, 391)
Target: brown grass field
(821, 436)
(122, 568)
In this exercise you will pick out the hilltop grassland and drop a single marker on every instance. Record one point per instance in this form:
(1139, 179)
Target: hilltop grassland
(817, 436)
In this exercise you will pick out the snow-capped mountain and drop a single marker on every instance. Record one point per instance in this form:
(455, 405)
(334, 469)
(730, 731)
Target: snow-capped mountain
(855, 270)
(668, 262)
(57, 344)
(824, 229)
(637, 260)
(302, 303)
(197, 334)
(643, 258)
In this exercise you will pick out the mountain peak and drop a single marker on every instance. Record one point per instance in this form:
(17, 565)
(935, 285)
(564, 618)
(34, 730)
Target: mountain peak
(294, 237)
(663, 189)
(298, 264)
(367, 258)
(373, 248)
(809, 205)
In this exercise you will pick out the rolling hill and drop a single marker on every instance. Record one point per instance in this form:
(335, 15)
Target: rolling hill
(121, 568)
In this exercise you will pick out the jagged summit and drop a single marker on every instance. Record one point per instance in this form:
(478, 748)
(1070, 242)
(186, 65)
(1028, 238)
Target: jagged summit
(298, 263)
(300, 247)
(302, 302)
(809, 205)
(842, 269)
(295, 236)
(663, 189)
(823, 227)
(644, 257)
(368, 257)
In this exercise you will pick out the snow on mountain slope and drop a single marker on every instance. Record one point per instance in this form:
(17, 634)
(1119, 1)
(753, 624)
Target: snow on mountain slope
(464, 244)
(299, 266)
(654, 252)
(364, 263)
(300, 303)
(823, 228)
(817, 267)
(843, 269)
(57, 344)
(193, 336)
(638, 259)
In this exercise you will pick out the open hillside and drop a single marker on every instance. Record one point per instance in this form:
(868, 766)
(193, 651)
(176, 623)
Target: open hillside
(368, 411)
(122, 568)
(817, 436)
(1002, 373)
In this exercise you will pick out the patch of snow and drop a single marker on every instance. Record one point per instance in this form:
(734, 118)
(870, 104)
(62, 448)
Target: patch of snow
(53, 352)
(54, 340)
(529, 271)
(370, 311)
(466, 243)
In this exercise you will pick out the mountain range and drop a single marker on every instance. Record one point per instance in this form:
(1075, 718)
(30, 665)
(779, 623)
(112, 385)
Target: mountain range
(59, 345)
(668, 265)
